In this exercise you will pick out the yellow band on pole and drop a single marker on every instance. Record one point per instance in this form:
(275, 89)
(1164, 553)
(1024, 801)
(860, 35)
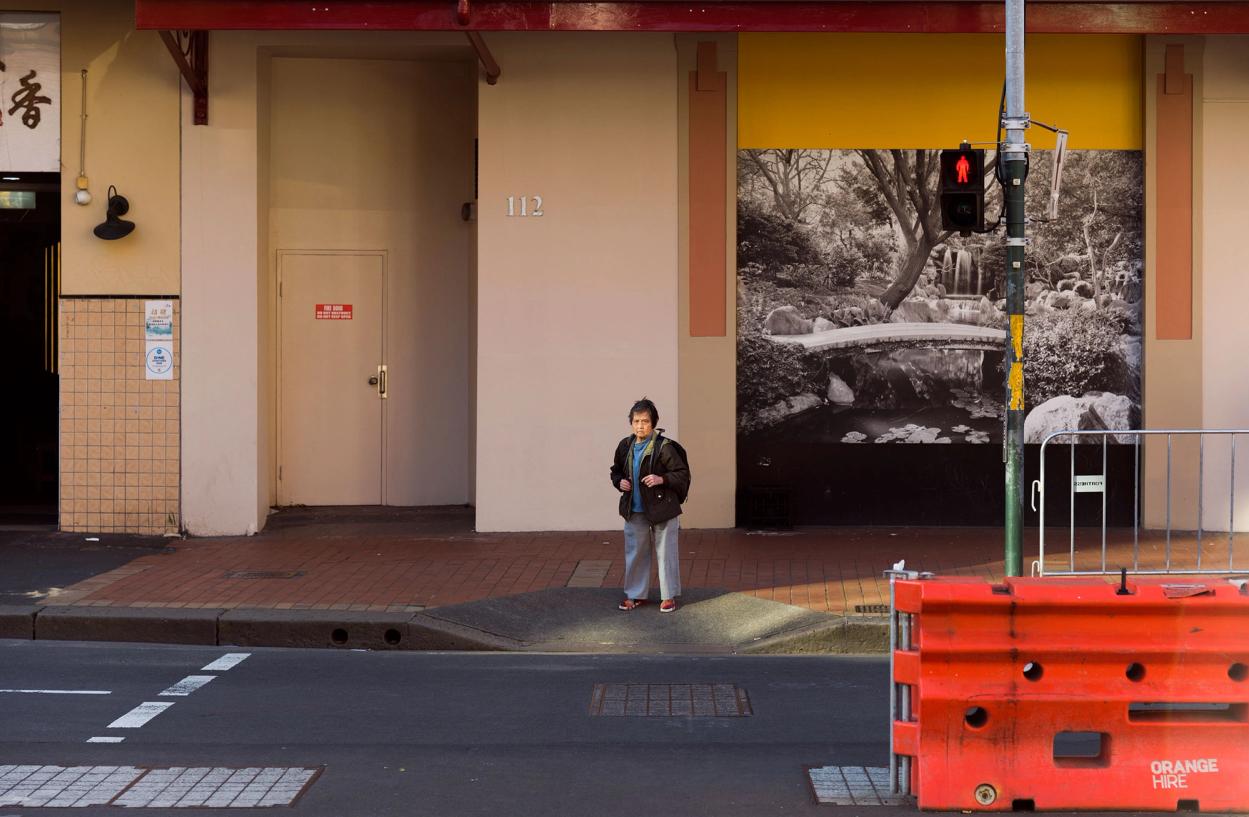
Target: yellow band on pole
(1016, 386)
(1016, 335)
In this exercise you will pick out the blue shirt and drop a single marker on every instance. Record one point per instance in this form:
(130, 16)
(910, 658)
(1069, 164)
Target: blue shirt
(638, 450)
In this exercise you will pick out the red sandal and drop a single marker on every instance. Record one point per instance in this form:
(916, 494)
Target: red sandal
(668, 606)
(630, 604)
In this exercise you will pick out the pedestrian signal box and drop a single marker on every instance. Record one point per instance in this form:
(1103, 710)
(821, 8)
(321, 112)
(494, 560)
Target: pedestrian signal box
(962, 190)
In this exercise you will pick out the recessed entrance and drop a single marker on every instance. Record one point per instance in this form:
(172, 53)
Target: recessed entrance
(370, 164)
(30, 231)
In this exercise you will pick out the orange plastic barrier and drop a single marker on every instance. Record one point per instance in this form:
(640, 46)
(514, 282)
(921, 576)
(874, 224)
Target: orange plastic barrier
(1066, 694)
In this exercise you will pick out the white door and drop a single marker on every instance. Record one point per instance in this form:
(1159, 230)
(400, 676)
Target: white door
(332, 378)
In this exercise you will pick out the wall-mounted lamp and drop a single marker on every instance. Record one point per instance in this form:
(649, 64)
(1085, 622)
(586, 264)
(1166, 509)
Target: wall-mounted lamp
(114, 226)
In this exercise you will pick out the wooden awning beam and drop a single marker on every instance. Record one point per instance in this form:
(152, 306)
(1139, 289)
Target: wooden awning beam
(189, 49)
(940, 17)
(487, 59)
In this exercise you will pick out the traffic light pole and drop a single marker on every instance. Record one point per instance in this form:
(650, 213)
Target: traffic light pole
(1014, 158)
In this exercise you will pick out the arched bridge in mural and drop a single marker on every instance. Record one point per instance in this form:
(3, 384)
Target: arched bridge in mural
(902, 335)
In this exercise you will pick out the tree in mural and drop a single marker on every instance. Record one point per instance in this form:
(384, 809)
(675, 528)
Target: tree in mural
(794, 177)
(1098, 229)
(907, 180)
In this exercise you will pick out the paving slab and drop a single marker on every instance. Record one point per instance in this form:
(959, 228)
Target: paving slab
(142, 624)
(315, 628)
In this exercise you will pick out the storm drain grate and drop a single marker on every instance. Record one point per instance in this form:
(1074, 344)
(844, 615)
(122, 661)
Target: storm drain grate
(263, 574)
(142, 787)
(670, 700)
(872, 609)
(853, 786)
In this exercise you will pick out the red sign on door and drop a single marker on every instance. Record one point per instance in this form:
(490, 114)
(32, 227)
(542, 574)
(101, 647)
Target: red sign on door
(333, 312)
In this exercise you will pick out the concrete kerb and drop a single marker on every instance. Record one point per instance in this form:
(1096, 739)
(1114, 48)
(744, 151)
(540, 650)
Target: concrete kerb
(427, 630)
(847, 635)
(17, 621)
(315, 628)
(135, 624)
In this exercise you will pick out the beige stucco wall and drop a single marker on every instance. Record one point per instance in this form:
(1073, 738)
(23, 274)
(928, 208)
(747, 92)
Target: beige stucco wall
(1224, 180)
(132, 143)
(221, 419)
(1200, 383)
(1172, 376)
(708, 365)
(577, 311)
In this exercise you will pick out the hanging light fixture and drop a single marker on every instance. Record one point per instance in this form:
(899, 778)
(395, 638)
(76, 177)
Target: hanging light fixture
(114, 226)
(82, 195)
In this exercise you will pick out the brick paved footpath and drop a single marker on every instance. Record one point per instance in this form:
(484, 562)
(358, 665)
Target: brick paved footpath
(397, 559)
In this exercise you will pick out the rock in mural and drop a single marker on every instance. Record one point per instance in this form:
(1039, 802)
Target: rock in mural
(839, 393)
(785, 320)
(1092, 412)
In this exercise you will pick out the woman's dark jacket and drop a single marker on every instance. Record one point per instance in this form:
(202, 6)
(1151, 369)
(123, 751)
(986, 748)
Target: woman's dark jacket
(661, 502)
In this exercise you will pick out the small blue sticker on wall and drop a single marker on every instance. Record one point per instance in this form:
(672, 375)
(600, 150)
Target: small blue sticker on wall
(159, 361)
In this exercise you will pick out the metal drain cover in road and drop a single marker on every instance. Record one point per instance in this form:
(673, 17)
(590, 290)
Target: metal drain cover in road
(140, 787)
(853, 786)
(670, 700)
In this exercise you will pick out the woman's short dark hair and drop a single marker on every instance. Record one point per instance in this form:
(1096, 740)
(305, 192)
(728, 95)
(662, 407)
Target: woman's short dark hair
(647, 406)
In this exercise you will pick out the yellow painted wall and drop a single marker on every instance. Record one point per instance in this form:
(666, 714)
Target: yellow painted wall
(132, 143)
(931, 91)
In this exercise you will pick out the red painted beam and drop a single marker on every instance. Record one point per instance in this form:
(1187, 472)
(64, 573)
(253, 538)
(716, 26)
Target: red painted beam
(950, 17)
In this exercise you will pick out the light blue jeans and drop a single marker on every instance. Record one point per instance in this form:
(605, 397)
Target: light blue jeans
(639, 534)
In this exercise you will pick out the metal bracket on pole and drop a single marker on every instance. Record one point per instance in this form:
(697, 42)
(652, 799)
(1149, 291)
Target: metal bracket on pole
(1016, 122)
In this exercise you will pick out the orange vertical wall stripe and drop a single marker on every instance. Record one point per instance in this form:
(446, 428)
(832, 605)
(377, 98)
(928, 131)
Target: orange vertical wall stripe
(708, 195)
(1173, 302)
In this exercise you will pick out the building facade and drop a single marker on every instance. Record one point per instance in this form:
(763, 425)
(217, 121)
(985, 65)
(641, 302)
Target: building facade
(397, 279)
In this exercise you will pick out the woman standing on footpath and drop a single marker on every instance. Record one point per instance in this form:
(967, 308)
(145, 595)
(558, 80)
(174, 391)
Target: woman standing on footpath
(653, 479)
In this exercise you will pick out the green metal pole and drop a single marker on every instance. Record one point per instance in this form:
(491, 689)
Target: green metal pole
(1014, 156)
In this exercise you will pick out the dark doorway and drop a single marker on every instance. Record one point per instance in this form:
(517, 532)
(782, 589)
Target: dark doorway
(30, 234)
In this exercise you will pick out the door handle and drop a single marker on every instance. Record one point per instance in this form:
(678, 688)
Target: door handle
(381, 389)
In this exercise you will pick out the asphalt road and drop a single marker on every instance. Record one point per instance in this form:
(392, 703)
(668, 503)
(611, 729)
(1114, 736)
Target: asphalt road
(444, 734)
(36, 565)
(450, 733)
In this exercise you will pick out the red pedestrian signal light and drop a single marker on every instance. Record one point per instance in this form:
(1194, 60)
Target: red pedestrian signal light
(962, 166)
(962, 190)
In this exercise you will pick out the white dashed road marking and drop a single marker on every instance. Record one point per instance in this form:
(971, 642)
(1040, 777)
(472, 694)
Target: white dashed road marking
(59, 691)
(228, 661)
(105, 740)
(140, 715)
(137, 787)
(188, 685)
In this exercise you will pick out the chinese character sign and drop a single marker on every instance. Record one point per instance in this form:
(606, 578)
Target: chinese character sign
(30, 92)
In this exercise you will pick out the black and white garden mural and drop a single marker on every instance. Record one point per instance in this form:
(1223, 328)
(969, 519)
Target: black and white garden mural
(861, 322)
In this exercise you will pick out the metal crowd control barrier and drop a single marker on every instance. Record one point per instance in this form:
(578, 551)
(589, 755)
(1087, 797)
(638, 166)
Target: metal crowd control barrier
(1072, 695)
(1098, 483)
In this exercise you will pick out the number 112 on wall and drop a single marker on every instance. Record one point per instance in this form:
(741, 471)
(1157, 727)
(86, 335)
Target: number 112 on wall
(524, 206)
